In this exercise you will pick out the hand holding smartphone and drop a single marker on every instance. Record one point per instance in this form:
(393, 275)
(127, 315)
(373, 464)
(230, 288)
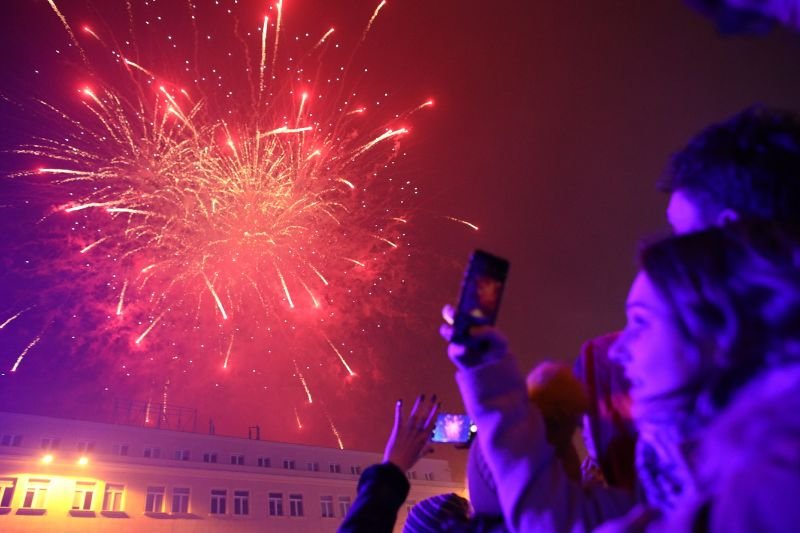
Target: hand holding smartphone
(481, 293)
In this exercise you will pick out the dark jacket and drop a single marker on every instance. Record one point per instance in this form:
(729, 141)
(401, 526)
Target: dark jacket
(382, 489)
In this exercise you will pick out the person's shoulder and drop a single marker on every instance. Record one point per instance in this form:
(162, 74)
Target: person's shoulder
(759, 428)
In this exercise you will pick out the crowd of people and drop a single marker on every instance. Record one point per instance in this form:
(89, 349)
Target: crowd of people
(691, 414)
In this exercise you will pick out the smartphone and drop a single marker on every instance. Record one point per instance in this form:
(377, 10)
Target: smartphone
(481, 292)
(453, 428)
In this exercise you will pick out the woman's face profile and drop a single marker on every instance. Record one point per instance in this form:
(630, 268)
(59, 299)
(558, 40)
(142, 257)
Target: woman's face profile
(657, 357)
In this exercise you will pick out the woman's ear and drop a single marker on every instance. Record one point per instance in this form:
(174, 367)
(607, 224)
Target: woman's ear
(726, 216)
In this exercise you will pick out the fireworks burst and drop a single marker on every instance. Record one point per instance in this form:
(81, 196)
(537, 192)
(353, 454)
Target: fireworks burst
(240, 207)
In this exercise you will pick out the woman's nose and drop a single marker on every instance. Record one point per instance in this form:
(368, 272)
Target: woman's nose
(618, 351)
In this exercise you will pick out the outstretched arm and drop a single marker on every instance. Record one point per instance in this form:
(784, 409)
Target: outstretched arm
(534, 491)
(383, 487)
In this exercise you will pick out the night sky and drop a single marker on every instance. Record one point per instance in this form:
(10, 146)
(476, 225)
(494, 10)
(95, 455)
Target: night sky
(552, 122)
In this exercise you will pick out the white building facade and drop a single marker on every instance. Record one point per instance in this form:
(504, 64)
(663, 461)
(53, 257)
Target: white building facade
(71, 475)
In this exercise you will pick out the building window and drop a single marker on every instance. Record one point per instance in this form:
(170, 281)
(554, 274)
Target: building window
(152, 453)
(412, 474)
(326, 502)
(181, 455)
(120, 449)
(288, 464)
(355, 470)
(155, 500)
(85, 446)
(344, 505)
(429, 476)
(313, 466)
(275, 504)
(237, 460)
(7, 485)
(264, 461)
(112, 500)
(241, 502)
(50, 443)
(295, 505)
(36, 494)
(11, 440)
(335, 468)
(219, 499)
(210, 457)
(180, 500)
(84, 494)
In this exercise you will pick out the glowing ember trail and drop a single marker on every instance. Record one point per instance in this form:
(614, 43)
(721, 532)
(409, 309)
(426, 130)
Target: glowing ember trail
(149, 328)
(121, 301)
(334, 430)
(341, 357)
(466, 223)
(372, 19)
(262, 65)
(216, 298)
(33, 343)
(303, 381)
(297, 418)
(228, 353)
(11, 319)
(69, 30)
(95, 243)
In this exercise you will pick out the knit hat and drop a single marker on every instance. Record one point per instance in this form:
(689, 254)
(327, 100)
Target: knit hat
(437, 513)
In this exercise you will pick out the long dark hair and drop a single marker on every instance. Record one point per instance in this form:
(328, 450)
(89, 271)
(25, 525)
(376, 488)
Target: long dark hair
(735, 294)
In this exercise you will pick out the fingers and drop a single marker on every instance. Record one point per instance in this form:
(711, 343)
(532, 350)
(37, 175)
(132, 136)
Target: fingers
(448, 314)
(413, 415)
(432, 414)
(446, 332)
(398, 415)
(423, 414)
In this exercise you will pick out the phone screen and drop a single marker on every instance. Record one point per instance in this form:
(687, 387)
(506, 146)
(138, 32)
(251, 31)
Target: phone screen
(451, 427)
(481, 293)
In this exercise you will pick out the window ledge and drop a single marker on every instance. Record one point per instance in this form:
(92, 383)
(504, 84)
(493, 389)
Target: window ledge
(114, 514)
(185, 516)
(160, 516)
(5, 510)
(31, 512)
(80, 513)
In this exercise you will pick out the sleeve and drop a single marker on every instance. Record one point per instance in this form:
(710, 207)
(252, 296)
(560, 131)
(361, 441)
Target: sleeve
(535, 494)
(382, 489)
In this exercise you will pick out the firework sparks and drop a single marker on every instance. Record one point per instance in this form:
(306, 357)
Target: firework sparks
(334, 430)
(121, 300)
(341, 357)
(228, 354)
(153, 324)
(27, 349)
(262, 64)
(372, 19)
(209, 210)
(13, 318)
(465, 222)
(303, 381)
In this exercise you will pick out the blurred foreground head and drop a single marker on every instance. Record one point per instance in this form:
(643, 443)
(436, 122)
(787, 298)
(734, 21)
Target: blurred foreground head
(747, 166)
(749, 16)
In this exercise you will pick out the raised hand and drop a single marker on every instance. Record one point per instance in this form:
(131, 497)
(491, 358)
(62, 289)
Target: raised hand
(408, 441)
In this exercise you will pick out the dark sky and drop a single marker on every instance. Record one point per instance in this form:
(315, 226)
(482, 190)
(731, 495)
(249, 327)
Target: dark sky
(553, 120)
